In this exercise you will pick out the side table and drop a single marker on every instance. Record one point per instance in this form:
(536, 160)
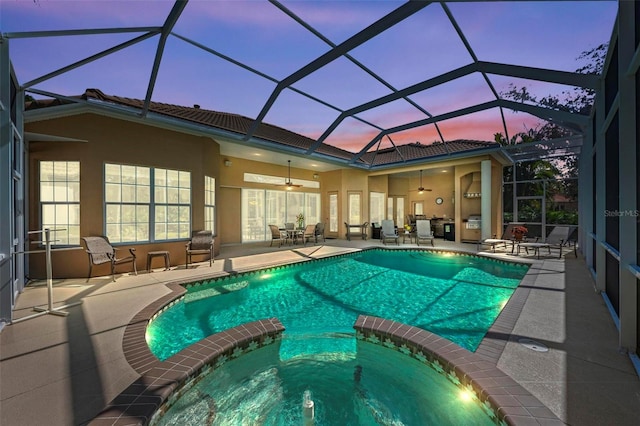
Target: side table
(163, 253)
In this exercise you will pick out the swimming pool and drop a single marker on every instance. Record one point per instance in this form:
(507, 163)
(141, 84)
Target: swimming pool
(457, 296)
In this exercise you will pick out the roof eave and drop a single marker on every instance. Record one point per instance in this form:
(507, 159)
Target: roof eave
(168, 123)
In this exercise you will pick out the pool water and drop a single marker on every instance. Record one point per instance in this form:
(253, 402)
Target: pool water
(457, 297)
(379, 386)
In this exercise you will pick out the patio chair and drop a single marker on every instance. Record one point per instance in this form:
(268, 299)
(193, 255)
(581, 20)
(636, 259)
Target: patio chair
(101, 251)
(278, 235)
(423, 231)
(388, 232)
(319, 231)
(557, 238)
(201, 243)
(308, 234)
(292, 232)
(505, 240)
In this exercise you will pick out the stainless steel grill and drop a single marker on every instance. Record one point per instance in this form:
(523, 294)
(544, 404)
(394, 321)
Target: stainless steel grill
(474, 222)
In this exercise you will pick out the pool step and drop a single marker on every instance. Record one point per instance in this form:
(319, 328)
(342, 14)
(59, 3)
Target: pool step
(331, 345)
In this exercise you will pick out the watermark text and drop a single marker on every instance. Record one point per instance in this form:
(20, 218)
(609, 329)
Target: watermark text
(621, 213)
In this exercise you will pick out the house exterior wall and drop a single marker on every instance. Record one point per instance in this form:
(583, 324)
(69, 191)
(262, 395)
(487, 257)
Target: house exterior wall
(106, 139)
(110, 140)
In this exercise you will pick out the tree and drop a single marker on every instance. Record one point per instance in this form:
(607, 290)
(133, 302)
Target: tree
(576, 101)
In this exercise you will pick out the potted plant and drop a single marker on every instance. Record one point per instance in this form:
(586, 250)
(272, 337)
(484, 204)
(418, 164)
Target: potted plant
(519, 232)
(300, 220)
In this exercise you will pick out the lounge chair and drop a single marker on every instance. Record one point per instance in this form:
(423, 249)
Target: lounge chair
(388, 232)
(557, 238)
(424, 232)
(278, 235)
(201, 243)
(101, 251)
(506, 239)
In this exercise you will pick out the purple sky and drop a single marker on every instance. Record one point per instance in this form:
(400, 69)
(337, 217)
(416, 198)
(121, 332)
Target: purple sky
(540, 34)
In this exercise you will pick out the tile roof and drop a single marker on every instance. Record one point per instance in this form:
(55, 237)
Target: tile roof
(415, 151)
(239, 124)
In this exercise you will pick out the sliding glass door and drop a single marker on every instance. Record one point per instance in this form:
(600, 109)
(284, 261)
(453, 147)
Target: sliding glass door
(261, 208)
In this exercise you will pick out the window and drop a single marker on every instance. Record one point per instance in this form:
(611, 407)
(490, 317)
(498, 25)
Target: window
(400, 216)
(333, 212)
(376, 207)
(172, 204)
(261, 208)
(210, 204)
(279, 180)
(127, 196)
(355, 207)
(60, 200)
(396, 213)
(253, 215)
(146, 204)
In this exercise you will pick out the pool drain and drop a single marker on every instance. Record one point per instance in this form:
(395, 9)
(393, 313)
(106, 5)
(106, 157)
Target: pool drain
(533, 345)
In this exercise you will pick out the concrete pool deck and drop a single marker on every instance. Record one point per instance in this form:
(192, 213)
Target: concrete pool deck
(65, 370)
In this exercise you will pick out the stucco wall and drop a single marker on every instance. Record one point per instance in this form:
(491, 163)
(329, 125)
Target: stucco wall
(134, 143)
(110, 140)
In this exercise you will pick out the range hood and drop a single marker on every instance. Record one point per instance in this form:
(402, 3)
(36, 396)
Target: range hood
(474, 190)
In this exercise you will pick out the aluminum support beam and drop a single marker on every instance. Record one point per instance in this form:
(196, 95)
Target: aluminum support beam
(628, 116)
(398, 15)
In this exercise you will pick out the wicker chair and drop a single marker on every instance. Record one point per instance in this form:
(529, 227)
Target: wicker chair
(309, 234)
(101, 251)
(319, 231)
(201, 243)
(278, 235)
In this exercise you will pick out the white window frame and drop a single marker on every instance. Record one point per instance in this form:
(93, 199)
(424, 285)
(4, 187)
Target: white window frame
(354, 203)
(157, 202)
(172, 204)
(60, 206)
(333, 212)
(376, 207)
(127, 203)
(210, 204)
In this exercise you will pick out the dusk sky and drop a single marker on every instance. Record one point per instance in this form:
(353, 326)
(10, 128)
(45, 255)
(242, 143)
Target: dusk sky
(258, 34)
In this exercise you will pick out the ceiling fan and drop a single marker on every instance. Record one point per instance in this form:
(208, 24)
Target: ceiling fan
(288, 184)
(421, 188)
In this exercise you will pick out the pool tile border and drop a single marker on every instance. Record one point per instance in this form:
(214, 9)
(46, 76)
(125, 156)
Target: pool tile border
(162, 382)
(501, 397)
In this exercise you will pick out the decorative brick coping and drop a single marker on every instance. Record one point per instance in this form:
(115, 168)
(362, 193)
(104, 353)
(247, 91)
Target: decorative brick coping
(163, 381)
(501, 397)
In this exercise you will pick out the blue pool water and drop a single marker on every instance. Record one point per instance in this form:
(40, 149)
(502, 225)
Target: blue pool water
(455, 296)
